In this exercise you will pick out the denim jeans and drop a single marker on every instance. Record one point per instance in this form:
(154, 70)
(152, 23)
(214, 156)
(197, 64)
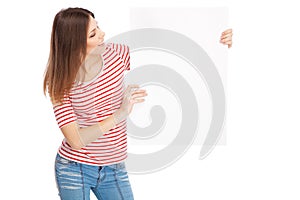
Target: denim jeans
(76, 180)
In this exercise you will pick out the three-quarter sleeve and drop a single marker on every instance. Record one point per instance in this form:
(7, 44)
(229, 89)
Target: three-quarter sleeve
(64, 113)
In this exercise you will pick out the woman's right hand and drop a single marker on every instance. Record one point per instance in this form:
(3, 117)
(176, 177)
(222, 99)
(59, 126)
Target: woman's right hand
(132, 95)
(226, 37)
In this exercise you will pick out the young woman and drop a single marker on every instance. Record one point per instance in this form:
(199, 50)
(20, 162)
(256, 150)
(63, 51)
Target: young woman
(84, 79)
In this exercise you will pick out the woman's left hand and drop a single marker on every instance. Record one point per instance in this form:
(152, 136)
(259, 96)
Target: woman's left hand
(226, 38)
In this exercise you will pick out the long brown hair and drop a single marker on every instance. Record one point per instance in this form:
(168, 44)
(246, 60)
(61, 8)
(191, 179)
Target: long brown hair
(67, 51)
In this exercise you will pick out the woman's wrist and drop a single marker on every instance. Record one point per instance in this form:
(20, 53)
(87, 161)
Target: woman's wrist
(119, 115)
(107, 124)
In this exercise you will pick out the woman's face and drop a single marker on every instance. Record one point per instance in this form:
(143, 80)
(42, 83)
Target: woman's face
(95, 36)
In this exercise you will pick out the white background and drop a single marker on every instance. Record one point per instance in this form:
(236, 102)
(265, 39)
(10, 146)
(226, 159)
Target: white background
(261, 157)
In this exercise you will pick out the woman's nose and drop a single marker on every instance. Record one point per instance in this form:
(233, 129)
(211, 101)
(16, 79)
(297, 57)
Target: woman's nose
(102, 34)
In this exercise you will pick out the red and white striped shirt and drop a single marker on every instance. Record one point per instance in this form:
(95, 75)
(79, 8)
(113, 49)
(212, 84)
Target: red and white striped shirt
(93, 101)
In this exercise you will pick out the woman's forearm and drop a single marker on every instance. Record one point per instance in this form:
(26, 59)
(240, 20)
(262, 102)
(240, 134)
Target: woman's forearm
(91, 133)
(80, 137)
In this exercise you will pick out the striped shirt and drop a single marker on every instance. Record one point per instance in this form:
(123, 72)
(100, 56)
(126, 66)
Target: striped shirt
(93, 101)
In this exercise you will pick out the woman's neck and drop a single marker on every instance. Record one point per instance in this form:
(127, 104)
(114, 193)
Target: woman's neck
(92, 64)
(90, 68)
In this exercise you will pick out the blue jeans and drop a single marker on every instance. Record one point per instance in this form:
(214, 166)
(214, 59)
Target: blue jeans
(75, 180)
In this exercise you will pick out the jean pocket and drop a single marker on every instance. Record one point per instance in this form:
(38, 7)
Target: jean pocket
(64, 161)
(118, 166)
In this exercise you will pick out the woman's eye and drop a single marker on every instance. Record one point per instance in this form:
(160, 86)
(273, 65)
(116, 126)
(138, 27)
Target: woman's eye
(92, 35)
